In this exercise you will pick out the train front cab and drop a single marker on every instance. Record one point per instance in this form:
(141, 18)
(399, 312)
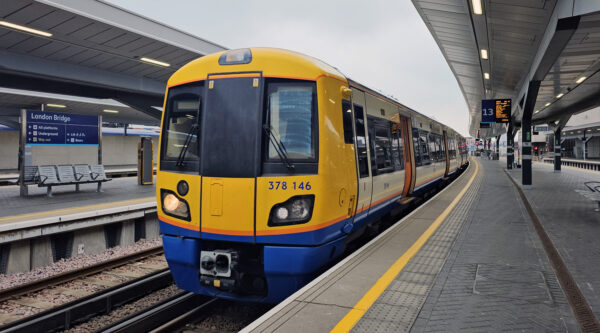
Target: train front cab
(256, 182)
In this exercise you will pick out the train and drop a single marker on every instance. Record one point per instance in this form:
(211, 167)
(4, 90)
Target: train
(271, 162)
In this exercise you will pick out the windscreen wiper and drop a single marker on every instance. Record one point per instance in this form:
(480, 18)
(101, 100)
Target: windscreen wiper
(186, 144)
(279, 147)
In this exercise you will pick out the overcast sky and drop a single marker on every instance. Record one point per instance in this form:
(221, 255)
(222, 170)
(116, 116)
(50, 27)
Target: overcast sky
(382, 44)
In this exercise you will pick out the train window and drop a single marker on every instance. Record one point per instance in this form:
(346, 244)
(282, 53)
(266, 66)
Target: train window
(291, 107)
(180, 150)
(440, 143)
(424, 148)
(347, 120)
(361, 141)
(433, 151)
(397, 145)
(417, 151)
(383, 149)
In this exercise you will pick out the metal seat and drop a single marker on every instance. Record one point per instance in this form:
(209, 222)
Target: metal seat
(48, 177)
(82, 173)
(98, 175)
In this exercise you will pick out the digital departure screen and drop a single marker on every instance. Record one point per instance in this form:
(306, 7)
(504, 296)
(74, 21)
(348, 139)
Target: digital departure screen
(495, 110)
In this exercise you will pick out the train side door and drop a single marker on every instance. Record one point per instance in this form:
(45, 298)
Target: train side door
(365, 184)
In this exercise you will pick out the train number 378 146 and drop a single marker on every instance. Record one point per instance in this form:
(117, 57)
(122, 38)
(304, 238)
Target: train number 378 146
(289, 185)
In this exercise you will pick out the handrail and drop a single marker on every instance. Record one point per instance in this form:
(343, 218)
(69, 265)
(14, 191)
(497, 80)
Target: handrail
(582, 164)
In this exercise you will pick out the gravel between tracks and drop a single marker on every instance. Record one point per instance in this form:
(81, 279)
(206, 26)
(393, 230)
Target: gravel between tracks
(65, 265)
(119, 313)
(228, 317)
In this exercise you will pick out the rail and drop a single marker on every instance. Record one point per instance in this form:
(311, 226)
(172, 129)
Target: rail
(65, 316)
(165, 316)
(582, 164)
(33, 286)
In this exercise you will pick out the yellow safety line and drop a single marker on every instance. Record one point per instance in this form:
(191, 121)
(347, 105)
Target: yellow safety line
(359, 309)
(76, 209)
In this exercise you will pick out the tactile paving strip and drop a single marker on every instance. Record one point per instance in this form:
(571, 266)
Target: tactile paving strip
(396, 309)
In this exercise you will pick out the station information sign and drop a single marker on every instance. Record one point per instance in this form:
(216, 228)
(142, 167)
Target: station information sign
(50, 128)
(496, 110)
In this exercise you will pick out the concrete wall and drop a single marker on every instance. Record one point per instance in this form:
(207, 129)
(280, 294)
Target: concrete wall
(116, 150)
(55, 155)
(593, 148)
(27, 254)
(9, 149)
(122, 150)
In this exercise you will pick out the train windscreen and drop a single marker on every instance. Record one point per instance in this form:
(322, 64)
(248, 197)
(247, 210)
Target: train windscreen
(181, 130)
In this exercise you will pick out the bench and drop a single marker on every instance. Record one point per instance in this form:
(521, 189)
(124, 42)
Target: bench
(30, 176)
(50, 175)
(593, 193)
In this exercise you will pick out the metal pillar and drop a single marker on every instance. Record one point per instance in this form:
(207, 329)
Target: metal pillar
(532, 92)
(23, 191)
(557, 149)
(510, 155)
(99, 140)
(497, 147)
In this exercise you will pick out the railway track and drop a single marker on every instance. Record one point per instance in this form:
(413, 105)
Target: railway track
(166, 316)
(65, 316)
(37, 285)
(79, 294)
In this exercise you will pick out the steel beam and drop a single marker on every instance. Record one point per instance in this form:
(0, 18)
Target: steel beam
(79, 77)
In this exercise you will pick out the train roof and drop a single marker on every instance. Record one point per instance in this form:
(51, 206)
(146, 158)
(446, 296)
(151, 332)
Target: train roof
(270, 61)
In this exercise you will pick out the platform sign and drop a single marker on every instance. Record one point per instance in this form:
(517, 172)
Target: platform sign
(488, 107)
(50, 128)
(495, 110)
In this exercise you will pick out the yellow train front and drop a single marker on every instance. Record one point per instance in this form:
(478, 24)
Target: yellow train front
(259, 182)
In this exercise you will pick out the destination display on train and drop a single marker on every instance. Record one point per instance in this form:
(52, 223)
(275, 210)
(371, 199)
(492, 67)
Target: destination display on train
(51, 128)
(496, 110)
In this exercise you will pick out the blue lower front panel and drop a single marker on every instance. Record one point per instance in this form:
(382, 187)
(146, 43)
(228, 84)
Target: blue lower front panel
(287, 268)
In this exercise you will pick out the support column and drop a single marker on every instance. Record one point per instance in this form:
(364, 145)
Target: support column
(557, 149)
(23, 190)
(510, 155)
(99, 140)
(532, 92)
(497, 155)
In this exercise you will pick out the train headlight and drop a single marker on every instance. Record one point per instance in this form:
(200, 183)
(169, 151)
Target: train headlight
(174, 206)
(296, 210)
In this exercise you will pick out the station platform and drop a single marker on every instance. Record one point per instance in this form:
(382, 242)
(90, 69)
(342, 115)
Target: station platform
(470, 259)
(116, 194)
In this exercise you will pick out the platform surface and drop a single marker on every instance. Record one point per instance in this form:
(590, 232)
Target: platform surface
(483, 269)
(65, 200)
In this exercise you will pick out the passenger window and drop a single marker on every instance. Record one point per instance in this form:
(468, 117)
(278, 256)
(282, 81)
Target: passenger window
(347, 119)
(383, 152)
(416, 148)
(433, 152)
(397, 146)
(361, 141)
(440, 143)
(424, 147)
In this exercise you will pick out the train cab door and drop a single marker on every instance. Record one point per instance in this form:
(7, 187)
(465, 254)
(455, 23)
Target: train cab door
(365, 184)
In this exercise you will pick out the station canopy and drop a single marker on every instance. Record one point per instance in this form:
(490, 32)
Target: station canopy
(495, 48)
(90, 49)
